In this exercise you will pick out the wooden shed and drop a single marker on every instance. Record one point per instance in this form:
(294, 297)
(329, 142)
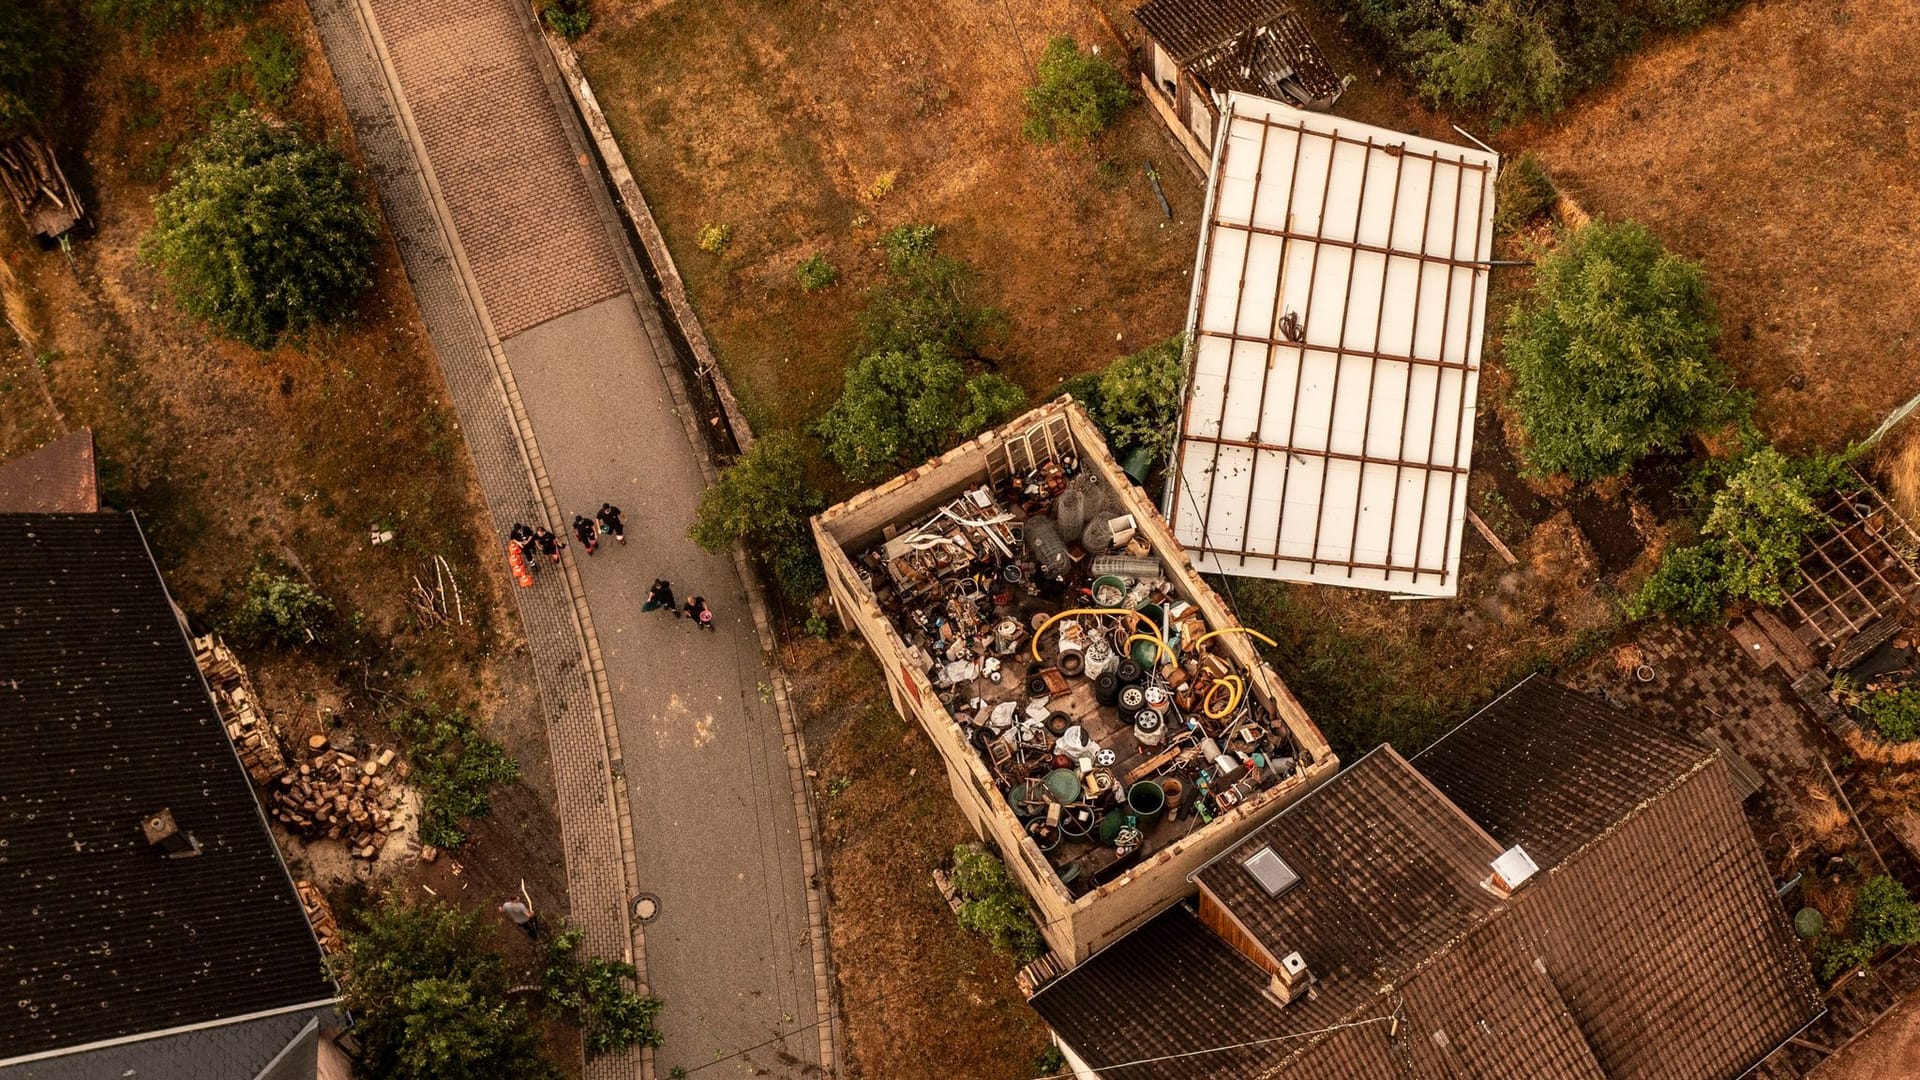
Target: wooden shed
(1198, 51)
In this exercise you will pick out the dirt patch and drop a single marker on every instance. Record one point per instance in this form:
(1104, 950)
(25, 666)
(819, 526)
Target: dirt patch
(921, 997)
(231, 457)
(1608, 526)
(1779, 148)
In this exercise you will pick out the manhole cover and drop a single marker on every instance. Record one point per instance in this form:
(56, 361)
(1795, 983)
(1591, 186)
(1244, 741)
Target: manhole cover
(645, 907)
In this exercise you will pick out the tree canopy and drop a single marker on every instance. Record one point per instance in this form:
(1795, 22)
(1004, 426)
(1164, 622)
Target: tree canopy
(1078, 95)
(899, 406)
(1612, 353)
(263, 232)
(431, 1000)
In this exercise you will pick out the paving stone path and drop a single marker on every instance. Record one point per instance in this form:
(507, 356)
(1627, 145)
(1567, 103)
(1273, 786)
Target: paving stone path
(555, 356)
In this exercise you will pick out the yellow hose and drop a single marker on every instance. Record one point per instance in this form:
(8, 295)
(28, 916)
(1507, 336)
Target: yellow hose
(1195, 643)
(1234, 687)
(1137, 617)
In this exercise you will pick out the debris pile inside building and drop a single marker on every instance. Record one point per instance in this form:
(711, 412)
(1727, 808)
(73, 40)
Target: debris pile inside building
(1087, 682)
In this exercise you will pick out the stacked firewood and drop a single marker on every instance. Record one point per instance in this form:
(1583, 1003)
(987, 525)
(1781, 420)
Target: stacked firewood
(254, 737)
(319, 916)
(341, 797)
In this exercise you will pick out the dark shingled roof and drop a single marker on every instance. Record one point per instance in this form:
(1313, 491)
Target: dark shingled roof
(1389, 871)
(1667, 941)
(1551, 769)
(58, 478)
(1252, 46)
(1652, 949)
(1170, 987)
(104, 719)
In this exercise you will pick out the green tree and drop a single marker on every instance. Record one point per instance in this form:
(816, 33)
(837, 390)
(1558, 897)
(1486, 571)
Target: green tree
(991, 400)
(568, 18)
(1764, 515)
(1751, 543)
(1895, 714)
(895, 406)
(1506, 60)
(35, 46)
(598, 995)
(900, 406)
(1612, 353)
(1140, 397)
(927, 298)
(279, 610)
(763, 499)
(153, 18)
(262, 232)
(431, 1000)
(992, 906)
(1078, 96)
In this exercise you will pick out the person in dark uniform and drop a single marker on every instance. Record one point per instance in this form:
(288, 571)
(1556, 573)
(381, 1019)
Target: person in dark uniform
(609, 516)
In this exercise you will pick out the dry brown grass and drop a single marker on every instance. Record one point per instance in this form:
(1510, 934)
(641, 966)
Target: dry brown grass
(1780, 148)
(1868, 748)
(1897, 463)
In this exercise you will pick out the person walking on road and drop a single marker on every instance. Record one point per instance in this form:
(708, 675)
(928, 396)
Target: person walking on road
(522, 916)
(610, 522)
(660, 596)
(550, 544)
(697, 611)
(584, 530)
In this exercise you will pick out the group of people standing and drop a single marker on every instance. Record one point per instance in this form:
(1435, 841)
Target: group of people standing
(540, 541)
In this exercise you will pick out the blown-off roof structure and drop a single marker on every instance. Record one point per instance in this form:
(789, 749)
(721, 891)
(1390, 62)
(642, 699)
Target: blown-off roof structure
(1652, 949)
(104, 721)
(1334, 353)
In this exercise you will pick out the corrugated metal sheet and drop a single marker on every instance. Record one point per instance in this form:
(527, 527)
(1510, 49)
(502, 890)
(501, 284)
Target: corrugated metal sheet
(1337, 322)
(1246, 46)
(104, 720)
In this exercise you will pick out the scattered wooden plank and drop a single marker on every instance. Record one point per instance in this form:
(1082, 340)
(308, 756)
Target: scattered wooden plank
(1487, 534)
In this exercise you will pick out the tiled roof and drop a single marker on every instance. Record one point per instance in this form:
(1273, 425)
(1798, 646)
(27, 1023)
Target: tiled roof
(1667, 942)
(1483, 1008)
(1652, 949)
(1389, 871)
(1551, 769)
(1168, 988)
(104, 720)
(58, 478)
(1218, 40)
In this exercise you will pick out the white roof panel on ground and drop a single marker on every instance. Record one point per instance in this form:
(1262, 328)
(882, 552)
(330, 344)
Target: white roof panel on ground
(1334, 358)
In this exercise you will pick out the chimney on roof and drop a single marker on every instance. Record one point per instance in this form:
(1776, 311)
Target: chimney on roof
(1293, 980)
(1511, 870)
(163, 833)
